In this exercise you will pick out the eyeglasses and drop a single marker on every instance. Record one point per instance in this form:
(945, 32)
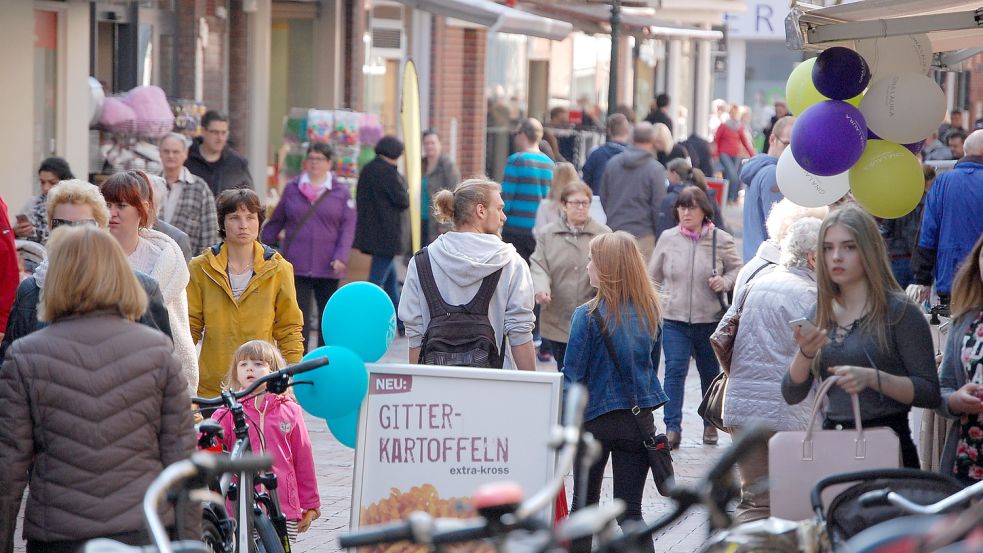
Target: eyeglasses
(579, 203)
(687, 207)
(55, 223)
(782, 141)
(318, 159)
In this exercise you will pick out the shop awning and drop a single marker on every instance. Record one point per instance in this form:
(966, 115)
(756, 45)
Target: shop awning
(595, 18)
(951, 25)
(496, 17)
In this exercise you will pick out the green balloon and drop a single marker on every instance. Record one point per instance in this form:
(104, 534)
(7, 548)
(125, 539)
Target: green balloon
(887, 180)
(800, 93)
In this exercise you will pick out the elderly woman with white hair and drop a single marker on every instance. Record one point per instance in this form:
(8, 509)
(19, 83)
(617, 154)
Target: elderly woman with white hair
(781, 217)
(763, 350)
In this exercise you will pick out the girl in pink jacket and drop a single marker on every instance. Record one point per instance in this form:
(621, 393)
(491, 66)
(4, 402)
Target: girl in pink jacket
(276, 427)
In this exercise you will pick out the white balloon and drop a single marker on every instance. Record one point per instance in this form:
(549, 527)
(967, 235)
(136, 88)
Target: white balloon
(904, 108)
(803, 188)
(896, 54)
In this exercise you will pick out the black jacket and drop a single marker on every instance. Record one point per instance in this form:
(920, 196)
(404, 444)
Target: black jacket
(24, 313)
(380, 198)
(230, 171)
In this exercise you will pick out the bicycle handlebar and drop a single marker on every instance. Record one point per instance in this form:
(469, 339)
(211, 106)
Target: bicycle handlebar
(888, 497)
(284, 373)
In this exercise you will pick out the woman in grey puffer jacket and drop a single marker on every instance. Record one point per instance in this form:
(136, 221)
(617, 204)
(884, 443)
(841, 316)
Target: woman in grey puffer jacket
(763, 350)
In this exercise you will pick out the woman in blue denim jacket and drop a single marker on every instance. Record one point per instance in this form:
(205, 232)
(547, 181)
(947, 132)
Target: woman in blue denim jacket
(628, 304)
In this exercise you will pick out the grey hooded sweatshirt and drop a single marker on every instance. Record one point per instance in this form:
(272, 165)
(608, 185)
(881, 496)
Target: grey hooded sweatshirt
(460, 261)
(632, 190)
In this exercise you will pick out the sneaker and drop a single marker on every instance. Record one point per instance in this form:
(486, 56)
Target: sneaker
(544, 356)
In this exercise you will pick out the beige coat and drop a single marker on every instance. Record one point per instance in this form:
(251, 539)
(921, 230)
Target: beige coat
(681, 268)
(559, 268)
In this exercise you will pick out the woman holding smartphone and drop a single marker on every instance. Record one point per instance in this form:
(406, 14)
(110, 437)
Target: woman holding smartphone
(866, 332)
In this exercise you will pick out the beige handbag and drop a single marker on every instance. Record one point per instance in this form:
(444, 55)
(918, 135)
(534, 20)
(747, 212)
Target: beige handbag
(797, 459)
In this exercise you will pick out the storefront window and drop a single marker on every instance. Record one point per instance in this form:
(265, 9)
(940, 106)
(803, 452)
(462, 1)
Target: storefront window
(45, 83)
(506, 78)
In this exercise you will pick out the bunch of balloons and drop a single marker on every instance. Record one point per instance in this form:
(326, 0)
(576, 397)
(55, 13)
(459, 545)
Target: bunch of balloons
(862, 116)
(359, 325)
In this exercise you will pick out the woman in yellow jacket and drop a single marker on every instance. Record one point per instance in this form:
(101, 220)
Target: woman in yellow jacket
(241, 290)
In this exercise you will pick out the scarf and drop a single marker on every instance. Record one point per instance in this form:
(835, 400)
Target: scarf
(694, 236)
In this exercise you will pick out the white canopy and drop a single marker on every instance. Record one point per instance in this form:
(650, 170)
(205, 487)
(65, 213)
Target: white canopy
(497, 17)
(951, 25)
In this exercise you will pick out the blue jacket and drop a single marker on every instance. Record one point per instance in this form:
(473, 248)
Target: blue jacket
(597, 161)
(952, 220)
(587, 362)
(762, 192)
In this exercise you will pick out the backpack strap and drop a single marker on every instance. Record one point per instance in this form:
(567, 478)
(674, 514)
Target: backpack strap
(480, 302)
(438, 307)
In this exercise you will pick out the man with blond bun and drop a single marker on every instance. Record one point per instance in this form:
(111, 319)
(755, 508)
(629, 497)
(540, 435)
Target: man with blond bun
(74, 203)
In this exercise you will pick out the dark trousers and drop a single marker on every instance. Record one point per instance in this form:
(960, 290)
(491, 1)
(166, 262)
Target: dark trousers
(314, 292)
(898, 423)
(558, 349)
(621, 441)
(382, 272)
(138, 537)
(523, 241)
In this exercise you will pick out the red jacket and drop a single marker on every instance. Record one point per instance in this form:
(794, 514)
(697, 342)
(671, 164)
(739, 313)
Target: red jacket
(9, 266)
(728, 140)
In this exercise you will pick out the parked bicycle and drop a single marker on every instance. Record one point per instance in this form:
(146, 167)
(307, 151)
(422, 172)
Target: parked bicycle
(257, 519)
(189, 474)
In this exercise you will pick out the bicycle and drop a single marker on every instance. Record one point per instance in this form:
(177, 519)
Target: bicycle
(190, 473)
(259, 522)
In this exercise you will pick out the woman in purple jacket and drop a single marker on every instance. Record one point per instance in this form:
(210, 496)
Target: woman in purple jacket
(317, 218)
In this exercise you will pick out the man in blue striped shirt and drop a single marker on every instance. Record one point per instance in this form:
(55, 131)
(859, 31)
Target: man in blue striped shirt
(528, 174)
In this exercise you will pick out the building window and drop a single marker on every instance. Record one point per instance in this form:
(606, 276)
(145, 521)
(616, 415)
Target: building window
(45, 83)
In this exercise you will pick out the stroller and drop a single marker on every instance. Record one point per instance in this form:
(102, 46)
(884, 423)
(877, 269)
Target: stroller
(846, 516)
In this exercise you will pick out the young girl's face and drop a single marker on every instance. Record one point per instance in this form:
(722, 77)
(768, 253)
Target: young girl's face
(842, 256)
(248, 370)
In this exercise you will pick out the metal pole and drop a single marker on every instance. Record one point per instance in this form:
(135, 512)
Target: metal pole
(615, 43)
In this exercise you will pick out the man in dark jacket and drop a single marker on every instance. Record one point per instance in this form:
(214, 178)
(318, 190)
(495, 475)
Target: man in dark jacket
(619, 130)
(659, 112)
(380, 199)
(211, 158)
(633, 187)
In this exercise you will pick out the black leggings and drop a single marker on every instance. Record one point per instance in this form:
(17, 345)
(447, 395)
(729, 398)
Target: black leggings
(620, 440)
(898, 423)
(312, 290)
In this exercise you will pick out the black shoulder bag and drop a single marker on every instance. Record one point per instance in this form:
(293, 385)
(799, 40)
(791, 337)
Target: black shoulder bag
(656, 445)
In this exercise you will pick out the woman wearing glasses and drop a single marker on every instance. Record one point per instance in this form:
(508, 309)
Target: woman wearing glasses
(316, 217)
(74, 203)
(694, 263)
(559, 266)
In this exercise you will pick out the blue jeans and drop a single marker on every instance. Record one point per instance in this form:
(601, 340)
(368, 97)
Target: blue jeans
(902, 271)
(382, 273)
(732, 166)
(680, 342)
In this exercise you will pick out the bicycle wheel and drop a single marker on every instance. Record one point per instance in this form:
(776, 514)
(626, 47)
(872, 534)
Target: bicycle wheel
(211, 535)
(269, 541)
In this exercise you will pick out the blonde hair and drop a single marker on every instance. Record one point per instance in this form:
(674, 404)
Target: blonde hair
(457, 206)
(967, 288)
(881, 284)
(623, 280)
(88, 271)
(786, 212)
(663, 135)
(564, 174)
(253, 350)
(78, 192)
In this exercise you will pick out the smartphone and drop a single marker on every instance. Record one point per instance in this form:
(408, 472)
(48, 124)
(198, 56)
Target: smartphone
(22, 219)
(801, 323)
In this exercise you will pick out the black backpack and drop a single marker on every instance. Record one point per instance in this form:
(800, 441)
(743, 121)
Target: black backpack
(458, 335)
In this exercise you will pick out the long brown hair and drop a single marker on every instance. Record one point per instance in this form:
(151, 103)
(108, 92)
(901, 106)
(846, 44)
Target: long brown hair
(623, 280)
(881, 284)
(967, 287)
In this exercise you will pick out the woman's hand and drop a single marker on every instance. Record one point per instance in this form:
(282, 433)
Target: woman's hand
(967, 400)
(853, 379)
(543, 298)
(810, 340)
(716, 283)
(338, 266)
(23, 229)
(309, 516)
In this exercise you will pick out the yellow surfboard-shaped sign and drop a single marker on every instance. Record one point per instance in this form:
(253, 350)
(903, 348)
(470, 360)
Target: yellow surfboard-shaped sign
(410, 116)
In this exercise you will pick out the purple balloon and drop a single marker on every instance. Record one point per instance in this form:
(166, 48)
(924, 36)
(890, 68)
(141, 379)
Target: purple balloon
(840, 73)
(829, 137)
(915, 147)
(871, 135)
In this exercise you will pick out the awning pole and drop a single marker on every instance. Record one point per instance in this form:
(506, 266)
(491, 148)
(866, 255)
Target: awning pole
(615, 40)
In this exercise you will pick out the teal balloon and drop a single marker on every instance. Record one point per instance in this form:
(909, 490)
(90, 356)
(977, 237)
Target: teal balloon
(360, 316)
(345, 428)
(335, 389)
